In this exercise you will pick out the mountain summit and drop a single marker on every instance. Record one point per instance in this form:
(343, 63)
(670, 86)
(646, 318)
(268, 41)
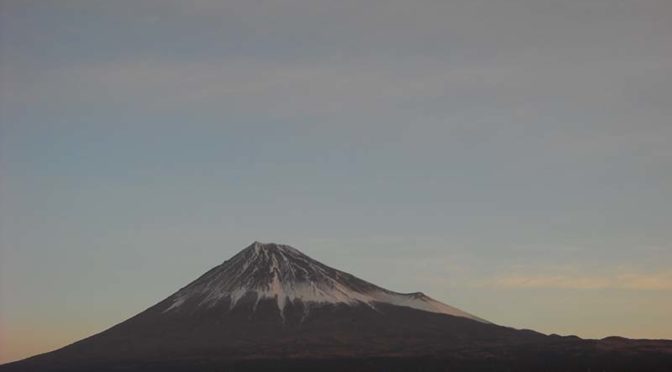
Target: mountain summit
(271, 307)
(285, 275)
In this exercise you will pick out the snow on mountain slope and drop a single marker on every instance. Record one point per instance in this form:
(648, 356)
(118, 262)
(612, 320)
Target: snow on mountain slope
(280, 272)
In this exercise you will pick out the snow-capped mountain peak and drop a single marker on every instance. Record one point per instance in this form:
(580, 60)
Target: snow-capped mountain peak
(284, 274)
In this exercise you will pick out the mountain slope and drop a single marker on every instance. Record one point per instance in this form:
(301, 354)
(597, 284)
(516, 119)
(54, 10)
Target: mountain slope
(272, 307)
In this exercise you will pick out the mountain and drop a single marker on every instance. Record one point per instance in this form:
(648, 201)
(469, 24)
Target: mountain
(270, 307)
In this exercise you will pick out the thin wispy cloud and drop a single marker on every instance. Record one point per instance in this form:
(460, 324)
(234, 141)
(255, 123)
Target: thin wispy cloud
(632, 280)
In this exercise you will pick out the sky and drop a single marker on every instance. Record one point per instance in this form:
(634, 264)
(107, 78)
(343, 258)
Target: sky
(511, 158)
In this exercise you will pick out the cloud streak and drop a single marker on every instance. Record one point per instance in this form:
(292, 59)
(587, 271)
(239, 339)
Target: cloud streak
(632, 280)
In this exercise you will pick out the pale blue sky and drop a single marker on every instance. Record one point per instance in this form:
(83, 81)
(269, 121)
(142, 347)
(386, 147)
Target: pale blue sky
(511, 158)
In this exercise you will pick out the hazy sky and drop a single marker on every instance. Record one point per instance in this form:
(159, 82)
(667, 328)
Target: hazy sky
(508, 157)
